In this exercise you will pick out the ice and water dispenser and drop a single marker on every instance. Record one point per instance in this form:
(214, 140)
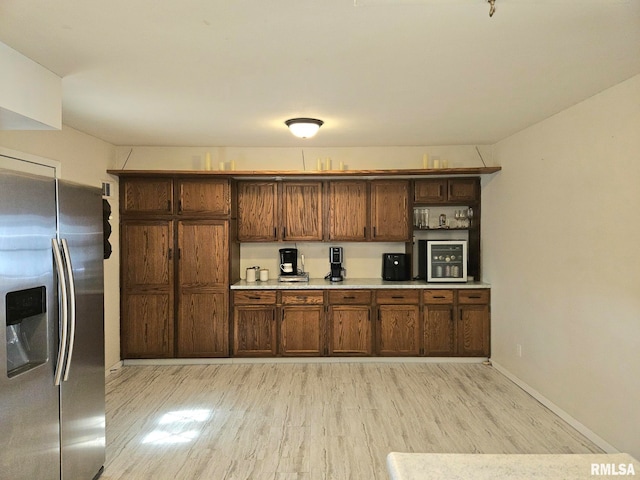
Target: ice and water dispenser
(26, 334)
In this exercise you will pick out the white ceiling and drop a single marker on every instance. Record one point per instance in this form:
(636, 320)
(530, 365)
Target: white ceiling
(385, 72)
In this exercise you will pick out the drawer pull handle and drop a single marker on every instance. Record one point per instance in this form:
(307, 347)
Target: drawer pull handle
(253, 298)
(438, 296)
(351, 297)
(397, 296)
(475, 296)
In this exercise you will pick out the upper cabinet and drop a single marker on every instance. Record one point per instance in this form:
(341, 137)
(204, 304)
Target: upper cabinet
(447, 190)
(155, 196)
(203, 197)
(347, 210)
(272, 211)
(390, 210)
(257, 211)
(146, 195)
(357, 211)
(302, 211)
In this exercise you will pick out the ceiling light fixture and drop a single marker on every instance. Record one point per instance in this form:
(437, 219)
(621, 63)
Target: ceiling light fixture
(304, 127)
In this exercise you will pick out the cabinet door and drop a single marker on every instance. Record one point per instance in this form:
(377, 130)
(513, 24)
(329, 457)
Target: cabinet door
(347, 211)
(147, 325)
(203, 251)
(390, 210)
(202, 322)
(439, 331)
(204, 197)
(146, 195)
(202, 326)
(147, 254)
(399, 331)
(257, 211)
(473, 330)
(433, 190)
(301, 330)
(302, 211)
(254, 330)
(463, 189)
(350, 330)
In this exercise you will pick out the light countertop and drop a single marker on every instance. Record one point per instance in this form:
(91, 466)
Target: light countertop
(351, 283)
(443, 466)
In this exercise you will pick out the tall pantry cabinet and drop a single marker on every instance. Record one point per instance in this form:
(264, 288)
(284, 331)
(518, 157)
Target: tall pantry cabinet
(178, 259)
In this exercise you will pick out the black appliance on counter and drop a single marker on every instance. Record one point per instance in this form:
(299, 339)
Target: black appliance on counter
(396, 266)
(336, 258)
(288, 262)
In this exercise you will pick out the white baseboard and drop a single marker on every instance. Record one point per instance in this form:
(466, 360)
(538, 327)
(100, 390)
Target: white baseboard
(590, 434)
(238, 360)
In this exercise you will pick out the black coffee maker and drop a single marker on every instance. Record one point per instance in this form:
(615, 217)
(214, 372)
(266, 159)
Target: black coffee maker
(336, 259)
(288, 261)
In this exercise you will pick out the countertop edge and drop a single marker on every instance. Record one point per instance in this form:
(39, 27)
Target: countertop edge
(353, 283)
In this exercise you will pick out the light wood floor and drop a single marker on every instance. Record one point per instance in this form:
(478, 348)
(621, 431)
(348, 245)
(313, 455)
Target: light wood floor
(320, 421)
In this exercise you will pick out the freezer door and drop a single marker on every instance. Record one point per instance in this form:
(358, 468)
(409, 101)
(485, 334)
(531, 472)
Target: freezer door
(29, 403)
(82, 397)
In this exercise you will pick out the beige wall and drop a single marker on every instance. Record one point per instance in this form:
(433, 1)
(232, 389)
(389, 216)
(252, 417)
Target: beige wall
(83, 159)
(560, 248)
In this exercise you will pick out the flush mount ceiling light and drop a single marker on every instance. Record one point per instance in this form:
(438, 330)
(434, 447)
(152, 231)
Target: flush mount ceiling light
(304, 127)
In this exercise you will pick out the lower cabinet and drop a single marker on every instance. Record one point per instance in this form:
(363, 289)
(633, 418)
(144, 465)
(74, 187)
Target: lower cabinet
(456, 323)
(473, 323)
(302, 323)
(398, 322)
(350, 322)
(410, 322)
(439, 335)
(254, 323)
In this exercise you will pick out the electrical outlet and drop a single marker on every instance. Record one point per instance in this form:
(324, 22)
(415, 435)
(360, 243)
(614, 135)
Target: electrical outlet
(519, 350)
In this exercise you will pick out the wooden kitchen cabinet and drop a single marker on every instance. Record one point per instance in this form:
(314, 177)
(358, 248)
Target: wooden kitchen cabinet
(203, 197)
(398, 322)
(202, 329)
(447, 190)
(302, 211)
(302, 323)
(473, 332)
(257, 211)
(439, 323)
(254, 323)
(146, 196)
(347, 210)
(175, 266)
(147, 289)
(390, 211)
(272, 211)
(349, 322)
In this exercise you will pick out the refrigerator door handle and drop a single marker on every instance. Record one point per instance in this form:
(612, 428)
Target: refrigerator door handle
(64, 321)
(72, 307)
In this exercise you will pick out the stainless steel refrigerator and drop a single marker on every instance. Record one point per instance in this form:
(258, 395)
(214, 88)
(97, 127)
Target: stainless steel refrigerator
(52, 395)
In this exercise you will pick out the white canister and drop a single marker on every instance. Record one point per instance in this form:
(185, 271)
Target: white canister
(251, 274)
(264, 275)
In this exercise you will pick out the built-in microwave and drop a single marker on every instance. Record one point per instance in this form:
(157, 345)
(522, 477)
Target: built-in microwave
(444, 260)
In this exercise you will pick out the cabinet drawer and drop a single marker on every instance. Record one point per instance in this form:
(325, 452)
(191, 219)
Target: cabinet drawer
(244, 297)
(397, 296)
(350, 297)
(438, 296)
(303, 298)
(473, 296)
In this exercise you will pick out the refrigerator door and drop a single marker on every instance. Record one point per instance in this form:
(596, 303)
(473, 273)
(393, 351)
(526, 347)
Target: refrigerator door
(82, 398)
(29, 403)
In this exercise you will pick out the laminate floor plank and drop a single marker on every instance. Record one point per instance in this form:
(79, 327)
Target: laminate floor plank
(324, 421)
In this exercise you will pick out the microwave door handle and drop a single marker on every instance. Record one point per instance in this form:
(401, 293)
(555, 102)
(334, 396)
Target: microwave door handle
(72, 307)
(64, 321)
